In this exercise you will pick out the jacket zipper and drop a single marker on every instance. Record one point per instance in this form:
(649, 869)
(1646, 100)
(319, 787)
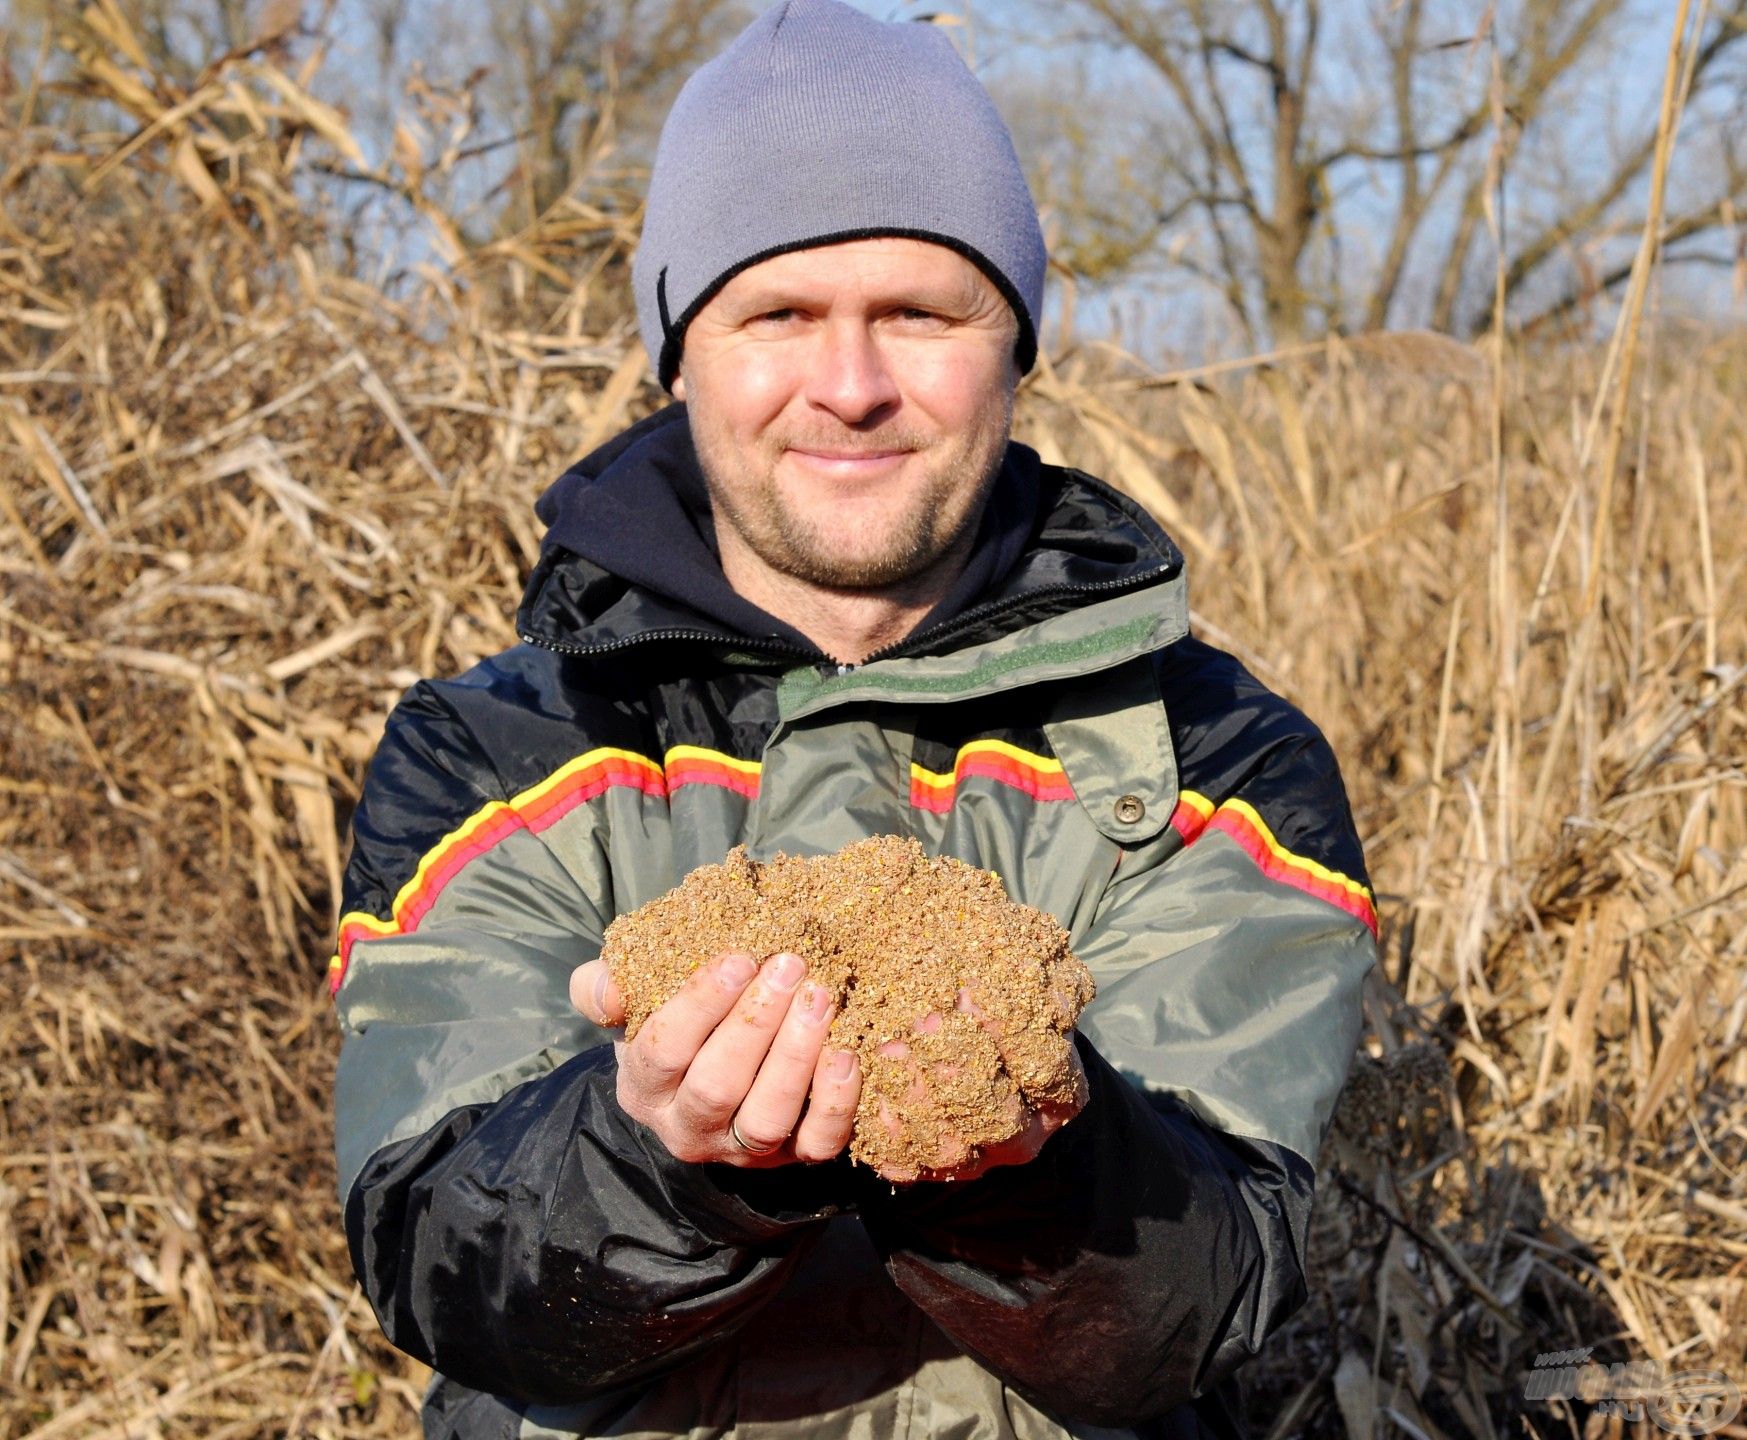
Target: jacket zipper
(713, 637)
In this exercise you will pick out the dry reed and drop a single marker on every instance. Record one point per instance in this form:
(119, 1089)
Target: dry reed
(246, 498)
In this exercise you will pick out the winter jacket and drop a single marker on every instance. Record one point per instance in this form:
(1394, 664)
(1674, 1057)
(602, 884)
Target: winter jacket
(1052, 720)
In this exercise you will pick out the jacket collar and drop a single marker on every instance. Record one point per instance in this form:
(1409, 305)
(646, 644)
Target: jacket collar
(630, 556)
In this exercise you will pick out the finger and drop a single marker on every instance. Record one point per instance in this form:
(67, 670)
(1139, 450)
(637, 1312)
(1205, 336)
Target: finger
(768, 1114)
(951, 1153)
(1035, 1059)
(658, 1060)
(909, 1170)
(595, 996)
(1018, 1150)
(1081, 1094)
(829, 1120)
(894, 1171)
(1057, 1086)
(727, 1061)
(967, 1002)
(1021, 1149)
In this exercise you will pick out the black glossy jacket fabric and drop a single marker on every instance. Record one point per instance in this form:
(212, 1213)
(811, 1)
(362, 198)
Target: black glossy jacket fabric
(563, 1273)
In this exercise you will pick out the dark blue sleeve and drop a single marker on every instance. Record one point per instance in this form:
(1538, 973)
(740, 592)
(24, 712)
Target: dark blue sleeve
(1138, 1259)
(547, 1247)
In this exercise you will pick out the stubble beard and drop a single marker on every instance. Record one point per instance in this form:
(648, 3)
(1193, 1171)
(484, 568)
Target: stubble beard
(790, 542)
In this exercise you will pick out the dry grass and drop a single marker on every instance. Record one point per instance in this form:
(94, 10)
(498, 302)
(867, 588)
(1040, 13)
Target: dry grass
(1556, 837)
(244, 500)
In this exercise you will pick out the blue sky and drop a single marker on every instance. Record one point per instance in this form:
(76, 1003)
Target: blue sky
(1018, 49)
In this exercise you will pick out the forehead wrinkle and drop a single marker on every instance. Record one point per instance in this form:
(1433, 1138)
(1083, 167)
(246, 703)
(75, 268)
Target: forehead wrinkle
(946, 276)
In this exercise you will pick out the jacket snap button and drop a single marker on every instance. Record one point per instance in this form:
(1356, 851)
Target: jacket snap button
(1129, 809)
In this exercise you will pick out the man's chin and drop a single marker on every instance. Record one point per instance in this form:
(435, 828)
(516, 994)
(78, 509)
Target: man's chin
(857, 575)
(888, 559)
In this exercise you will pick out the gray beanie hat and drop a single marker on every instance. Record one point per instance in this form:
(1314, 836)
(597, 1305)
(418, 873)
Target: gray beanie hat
(821, 124)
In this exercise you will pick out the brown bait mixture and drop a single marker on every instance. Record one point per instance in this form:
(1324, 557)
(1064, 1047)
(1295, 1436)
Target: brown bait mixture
(895, 936)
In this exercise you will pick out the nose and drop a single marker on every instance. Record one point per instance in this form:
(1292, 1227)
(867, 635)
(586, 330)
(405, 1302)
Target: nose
(851, 376)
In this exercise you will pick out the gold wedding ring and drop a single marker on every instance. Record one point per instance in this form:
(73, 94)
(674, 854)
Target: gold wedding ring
(740, 1140)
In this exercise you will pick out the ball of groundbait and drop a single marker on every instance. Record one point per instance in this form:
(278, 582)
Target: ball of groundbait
(894, 936)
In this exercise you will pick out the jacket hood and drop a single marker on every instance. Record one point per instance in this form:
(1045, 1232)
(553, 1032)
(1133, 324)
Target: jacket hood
(630, 554)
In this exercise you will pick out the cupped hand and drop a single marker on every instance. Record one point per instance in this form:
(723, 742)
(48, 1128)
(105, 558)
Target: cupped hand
(954, 1158)
(734, 1068)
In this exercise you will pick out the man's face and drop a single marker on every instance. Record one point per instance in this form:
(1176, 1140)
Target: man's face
(850, 405)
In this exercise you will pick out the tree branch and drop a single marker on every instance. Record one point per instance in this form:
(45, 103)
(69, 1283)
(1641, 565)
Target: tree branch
(1471, 125)
(1682, 227)
(1227, 46)
(1152, 47)
(1556, 236)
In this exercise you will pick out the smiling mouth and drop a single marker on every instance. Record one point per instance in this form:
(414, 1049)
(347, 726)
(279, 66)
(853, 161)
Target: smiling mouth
(845, 457)
(854, 468)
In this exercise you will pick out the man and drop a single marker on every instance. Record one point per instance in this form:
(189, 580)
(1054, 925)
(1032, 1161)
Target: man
(824, 599)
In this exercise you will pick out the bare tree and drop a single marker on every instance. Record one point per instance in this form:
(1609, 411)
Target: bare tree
(1330, 166)
(541, 79)
(563, 61)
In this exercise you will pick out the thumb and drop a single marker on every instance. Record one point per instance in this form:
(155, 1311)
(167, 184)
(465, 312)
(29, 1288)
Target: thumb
(595, 995)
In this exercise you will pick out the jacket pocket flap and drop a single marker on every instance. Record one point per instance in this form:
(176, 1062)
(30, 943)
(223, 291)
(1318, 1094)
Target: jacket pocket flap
(1113, 739)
